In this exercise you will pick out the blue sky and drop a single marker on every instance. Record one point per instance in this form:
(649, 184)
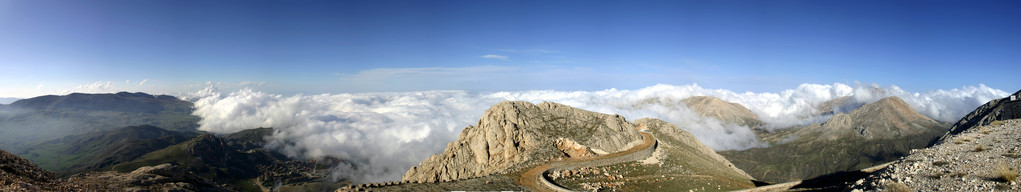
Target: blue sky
(309, 47)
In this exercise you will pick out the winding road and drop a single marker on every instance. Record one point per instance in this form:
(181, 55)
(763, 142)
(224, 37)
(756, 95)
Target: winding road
(536, 179)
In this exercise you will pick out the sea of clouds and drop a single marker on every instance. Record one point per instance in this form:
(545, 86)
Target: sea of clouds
(382, 135)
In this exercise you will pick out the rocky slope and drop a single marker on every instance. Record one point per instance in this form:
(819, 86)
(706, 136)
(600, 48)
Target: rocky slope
(999, 109)
(872, 134)
(980, 153)
(981, 158)
(512, 135)
(679, 163)
(82, 152)
(18, 174)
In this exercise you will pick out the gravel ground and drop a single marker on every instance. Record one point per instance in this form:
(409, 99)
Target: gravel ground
(984, 158)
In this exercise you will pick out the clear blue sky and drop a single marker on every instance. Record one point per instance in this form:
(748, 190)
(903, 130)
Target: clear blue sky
(287, 47)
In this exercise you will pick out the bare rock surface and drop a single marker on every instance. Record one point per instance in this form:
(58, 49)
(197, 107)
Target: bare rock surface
(513, 134)
(164, 177)
(981, 158)
(19, 174)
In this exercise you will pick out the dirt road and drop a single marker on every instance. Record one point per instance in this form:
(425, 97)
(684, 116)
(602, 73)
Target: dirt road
(536, 180)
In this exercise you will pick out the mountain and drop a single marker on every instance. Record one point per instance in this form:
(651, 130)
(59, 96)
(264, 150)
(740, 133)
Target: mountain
(512, 135)
(725, 111)
(707, 106)
(88, 151)
(872, 134)
(18, 174)
(8, 100)
(517, 144)
(980, 153)
(237, 160)
(888, 118)
(30, 121)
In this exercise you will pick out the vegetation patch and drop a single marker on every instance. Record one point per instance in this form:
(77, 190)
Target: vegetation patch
(897, 187)
(940, 163)
(996, 123)
(1006, 174)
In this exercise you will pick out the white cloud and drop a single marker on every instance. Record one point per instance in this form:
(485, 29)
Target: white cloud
(384, 134)
(491, 56)
(143, 82)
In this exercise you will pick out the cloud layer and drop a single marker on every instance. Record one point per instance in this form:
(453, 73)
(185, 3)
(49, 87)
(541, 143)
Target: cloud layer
(384, 134)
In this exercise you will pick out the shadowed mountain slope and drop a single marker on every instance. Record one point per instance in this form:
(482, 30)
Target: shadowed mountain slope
(31, 121)
(77, 153)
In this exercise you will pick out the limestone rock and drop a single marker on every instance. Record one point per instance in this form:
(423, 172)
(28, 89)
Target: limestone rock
(513, 134)
(573, 149)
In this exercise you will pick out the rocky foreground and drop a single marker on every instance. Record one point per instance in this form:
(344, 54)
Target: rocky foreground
(983, 158)
(19, 174)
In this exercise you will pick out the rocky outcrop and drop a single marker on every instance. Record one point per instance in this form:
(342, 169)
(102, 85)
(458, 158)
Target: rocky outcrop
(515, 134)
(19, 174)
(573, 149)
(1000, 109)
(164, 177)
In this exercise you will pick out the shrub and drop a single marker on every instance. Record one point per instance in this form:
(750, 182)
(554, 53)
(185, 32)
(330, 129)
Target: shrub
(979, 149)
(1005, 173)
(897, 187)
(996, 123)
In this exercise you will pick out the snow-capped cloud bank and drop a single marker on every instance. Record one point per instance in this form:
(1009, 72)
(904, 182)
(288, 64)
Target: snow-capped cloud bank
(381, 135)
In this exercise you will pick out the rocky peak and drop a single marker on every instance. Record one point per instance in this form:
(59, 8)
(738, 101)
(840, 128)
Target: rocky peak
(725, 111)
(707, 106)
(889, 117)
(514, 134)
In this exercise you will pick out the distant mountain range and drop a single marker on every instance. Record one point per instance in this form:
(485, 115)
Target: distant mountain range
(83, 136)
(30, 121)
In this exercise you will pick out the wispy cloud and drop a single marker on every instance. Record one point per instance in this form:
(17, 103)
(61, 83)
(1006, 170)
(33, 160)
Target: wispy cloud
(143, 82)
(530, 51)
(492, 56)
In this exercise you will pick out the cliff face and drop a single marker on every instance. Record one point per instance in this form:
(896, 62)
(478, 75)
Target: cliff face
(511, 135)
